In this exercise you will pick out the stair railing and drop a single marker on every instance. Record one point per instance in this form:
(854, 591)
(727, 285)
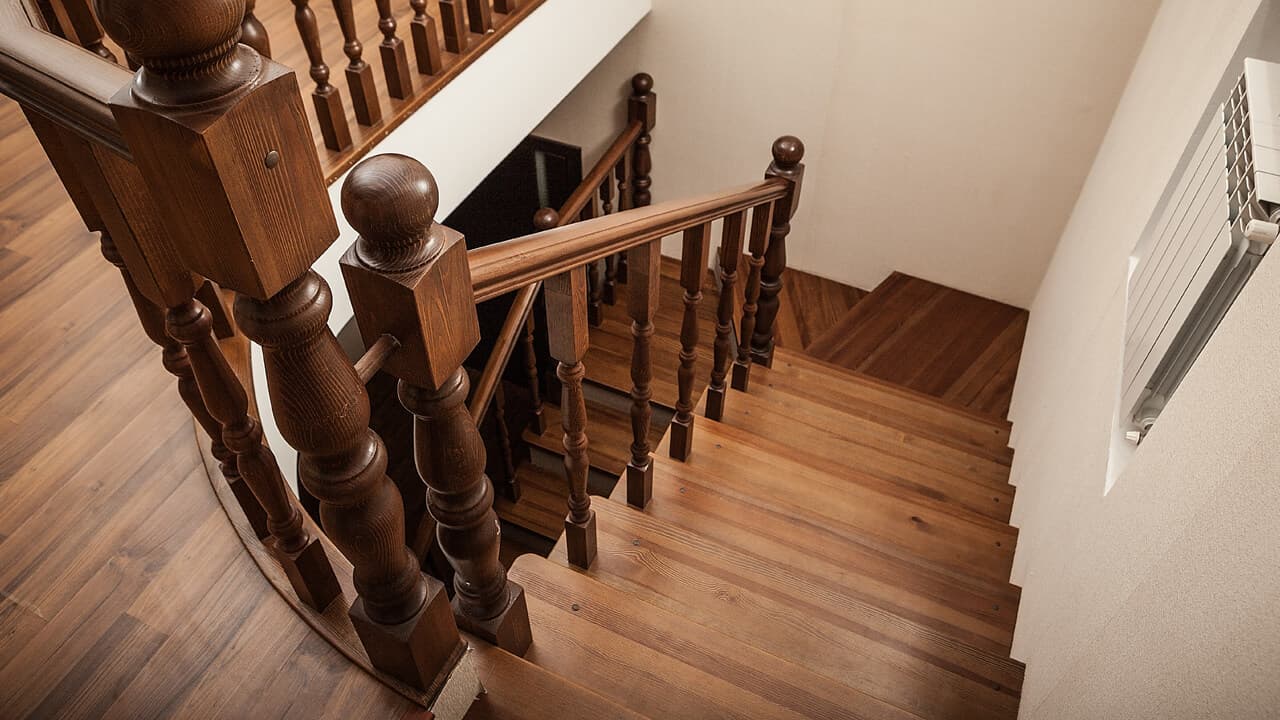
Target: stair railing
(624, 166)
(446, 37)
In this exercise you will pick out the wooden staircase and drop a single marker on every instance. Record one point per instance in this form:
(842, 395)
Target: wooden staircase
(836, 547)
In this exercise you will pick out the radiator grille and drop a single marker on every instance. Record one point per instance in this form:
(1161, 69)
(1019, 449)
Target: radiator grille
(1200, 247)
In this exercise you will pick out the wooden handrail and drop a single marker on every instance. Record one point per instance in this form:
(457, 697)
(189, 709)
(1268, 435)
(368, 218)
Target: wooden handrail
(58, 79)
(590, 185)
(507, 266)
(518, 315)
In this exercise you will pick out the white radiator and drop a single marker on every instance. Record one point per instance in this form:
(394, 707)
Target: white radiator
(1201, 246)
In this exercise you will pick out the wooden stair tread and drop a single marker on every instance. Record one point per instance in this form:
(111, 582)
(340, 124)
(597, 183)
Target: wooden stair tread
(893, 405)
(663, 665)
(796, 612)
(955, 346)
(542, 506)
(519, 690)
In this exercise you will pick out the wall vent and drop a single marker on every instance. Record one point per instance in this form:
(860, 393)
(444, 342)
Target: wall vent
(1202, 245)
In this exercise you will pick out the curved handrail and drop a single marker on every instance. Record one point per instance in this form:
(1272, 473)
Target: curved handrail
(59, 79)
(507, 266)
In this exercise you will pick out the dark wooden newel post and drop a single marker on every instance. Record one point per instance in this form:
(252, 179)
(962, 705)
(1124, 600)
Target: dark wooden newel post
(642, 106)
(788, 151)
(220, 138)
(409, 278)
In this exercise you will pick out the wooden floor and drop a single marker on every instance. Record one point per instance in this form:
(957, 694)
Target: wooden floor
(124, 591)
(958, 347)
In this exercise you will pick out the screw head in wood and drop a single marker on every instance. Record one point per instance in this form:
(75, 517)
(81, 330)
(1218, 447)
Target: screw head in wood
(272, 159)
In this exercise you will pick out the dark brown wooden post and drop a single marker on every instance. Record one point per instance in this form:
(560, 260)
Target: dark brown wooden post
(788, 152)
(252, 32)
(509, 482)
(300, 554)
(454, 21)
(761, 222)
(610, 292)
(643, 106)
(537, 421)
(395, 60)
(642, 304)
(326, 97)
(148, 264)
(568, 338)
(364, 95)
(735, 227)
(409, 277)
(622, 173)
(214, 129)
(693, 271)
(481, 15)
(426, 43)
(506, 7)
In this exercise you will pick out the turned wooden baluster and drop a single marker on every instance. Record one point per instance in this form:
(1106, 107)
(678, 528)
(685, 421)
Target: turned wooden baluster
(364, 95)
(642, 304)
(481, 15)
(395, 61)
(76, 21)
(326, 97)
(453, 18)
(510, 484)
(301, 555)
(201, 102)
(409, 277)
(761, 222)
(610, 292)
(426, 42)
(568, 338)
(537, 421)
(622, 173)
(321, 407)
(252, 32)
(735, 227)
(693, 270)
(642, 106)
(788, 152)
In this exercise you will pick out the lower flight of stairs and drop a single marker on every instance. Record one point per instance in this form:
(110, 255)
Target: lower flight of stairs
(835, 547)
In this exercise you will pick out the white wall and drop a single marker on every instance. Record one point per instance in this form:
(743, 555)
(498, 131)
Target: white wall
(945, 139)
(1157, 600)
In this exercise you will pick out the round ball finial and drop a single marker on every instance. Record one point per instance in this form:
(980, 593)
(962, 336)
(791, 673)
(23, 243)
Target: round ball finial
(788, 151)
(545, 219)
(165, 32)
(391, 200)
(642, 83)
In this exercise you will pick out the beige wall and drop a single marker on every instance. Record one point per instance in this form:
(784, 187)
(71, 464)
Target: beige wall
(1157, 600)
(945, 139)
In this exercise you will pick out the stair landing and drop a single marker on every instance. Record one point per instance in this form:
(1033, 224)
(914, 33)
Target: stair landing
(815, 557)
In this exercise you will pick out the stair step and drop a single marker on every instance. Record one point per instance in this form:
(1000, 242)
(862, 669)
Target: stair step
(516, 689)
(842, 443)
(542, 506)
(892, 405)
(942, 342)
(663, 665)
(796, 612)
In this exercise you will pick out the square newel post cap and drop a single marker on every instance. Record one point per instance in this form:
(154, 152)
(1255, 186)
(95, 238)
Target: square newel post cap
(221, 138)
(408, 276)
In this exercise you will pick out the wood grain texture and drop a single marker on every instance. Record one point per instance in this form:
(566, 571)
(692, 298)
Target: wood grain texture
(951, 345)
(824, 567)
(127, 590)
